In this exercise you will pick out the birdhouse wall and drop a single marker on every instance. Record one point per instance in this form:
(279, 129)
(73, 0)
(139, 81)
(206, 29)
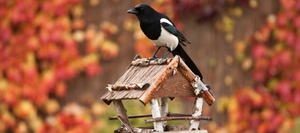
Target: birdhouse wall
(176, 86)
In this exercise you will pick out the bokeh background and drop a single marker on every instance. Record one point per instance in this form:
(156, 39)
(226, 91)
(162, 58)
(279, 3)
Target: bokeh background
(57, 57)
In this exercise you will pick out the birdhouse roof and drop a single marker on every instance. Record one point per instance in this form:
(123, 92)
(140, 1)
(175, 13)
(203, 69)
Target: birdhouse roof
(146, 79)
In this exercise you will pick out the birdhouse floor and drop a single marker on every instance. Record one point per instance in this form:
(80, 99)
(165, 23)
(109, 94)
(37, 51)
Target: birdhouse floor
(200, 131)
(168, 129)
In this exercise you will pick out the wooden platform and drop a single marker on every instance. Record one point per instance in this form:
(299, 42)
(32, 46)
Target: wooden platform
(200, 131)
(168, 129)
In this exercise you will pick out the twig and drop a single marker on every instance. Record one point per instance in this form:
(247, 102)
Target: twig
(127, 126)
(177, 118)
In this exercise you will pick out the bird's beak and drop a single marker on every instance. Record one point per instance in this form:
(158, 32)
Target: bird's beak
(132, 11)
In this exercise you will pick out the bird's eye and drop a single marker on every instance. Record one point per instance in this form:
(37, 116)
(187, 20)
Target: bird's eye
(140, 8)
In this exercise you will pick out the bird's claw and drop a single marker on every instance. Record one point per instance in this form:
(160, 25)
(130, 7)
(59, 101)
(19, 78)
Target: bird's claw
(153, 58)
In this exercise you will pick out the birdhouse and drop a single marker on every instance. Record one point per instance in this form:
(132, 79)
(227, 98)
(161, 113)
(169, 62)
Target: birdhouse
(155, 82)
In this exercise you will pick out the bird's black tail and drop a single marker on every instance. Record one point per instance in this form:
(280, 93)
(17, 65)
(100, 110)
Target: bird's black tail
(188, 61)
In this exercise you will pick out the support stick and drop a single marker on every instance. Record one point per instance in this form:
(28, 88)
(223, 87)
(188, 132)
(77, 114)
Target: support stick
(148, 115)
(125, 124)
(122, 112)
(156, 113)
(164, 103)
(194, 124)
(177, 118)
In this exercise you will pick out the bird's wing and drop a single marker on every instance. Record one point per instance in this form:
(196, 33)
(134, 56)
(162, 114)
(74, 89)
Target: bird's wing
(173, 30)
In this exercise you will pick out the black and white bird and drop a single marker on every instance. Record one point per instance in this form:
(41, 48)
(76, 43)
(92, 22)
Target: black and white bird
(163, 33)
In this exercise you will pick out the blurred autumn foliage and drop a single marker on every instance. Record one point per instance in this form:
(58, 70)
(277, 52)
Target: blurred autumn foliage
(39, 52)
(272, 104)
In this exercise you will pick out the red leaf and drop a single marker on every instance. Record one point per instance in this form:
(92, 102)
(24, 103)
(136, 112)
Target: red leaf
(259, 76)
(254, 121)
(283, 88)
(281, 20)
(284, 58)
(10, 98)
(281, 34)
(259, 51)
(14, 74)
(60, 89)
(29, 93)
(297, 76)
(93, 69)
(287, 4)
(296, 98)
(296, 22)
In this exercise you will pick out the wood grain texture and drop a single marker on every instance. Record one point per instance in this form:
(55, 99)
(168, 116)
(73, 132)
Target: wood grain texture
(122, 112)
(175, 86)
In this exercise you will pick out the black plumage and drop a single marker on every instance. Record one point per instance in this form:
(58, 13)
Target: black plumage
(163, 33)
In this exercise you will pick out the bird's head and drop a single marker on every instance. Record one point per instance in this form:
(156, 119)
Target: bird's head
(141, 9)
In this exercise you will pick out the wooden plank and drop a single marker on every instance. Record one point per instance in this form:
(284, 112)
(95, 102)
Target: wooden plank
(122, 94)
(176, 86)
(199, 131)
(111, 95)
(169, 129)
(190, 76)
(165, 74)
(122, 112)
(148, 74)
(138, 93)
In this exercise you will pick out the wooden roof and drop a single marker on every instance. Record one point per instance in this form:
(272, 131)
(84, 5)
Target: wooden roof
(172, 78)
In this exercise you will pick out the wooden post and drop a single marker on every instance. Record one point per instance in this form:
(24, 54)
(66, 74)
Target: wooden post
(122, 112)
(155, 109)
(197, 111)
(164, 104)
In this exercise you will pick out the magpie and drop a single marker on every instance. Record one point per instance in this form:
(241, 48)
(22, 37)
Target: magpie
(163, 33)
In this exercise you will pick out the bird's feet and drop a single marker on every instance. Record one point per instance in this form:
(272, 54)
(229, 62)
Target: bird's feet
(164, 56)
(153, 58)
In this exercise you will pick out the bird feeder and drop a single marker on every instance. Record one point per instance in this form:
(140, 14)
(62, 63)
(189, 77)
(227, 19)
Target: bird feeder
(155, 82)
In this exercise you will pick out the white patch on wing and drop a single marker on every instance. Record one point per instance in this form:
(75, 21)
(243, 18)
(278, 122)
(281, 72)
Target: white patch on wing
(166, 39)
(166, 21)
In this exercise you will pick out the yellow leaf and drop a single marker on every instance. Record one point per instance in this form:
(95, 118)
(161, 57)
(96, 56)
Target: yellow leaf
(78, 36)
(90, 58)
(77, 11)
(94, 2)
(229, 37)
(35, 124)
(240, 47)
(253, 3)
(247, 63)
(109, 50)
(222, 104)
(21, 128)
(109, 27)
(51, 106)
(228, 80)
(228, 59)
(25, 109)
(3, 84)
(98, 109)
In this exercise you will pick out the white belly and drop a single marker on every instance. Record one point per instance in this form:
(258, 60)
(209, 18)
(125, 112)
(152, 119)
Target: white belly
(166, 39)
